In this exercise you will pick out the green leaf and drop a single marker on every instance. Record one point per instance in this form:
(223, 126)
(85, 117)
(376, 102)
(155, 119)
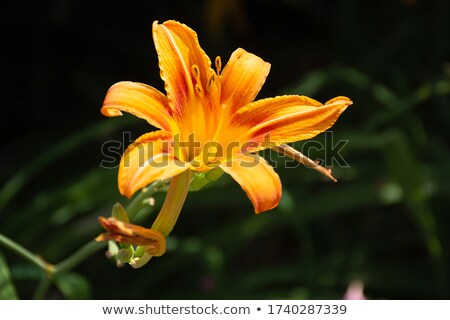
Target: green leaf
(73, 286)
(7, 289)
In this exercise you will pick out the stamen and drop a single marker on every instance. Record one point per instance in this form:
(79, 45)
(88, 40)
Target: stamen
(210, 82)
(218, 62)
(195, 72)
(198, 89)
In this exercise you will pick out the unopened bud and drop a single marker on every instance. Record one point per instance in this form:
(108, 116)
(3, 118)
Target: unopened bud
(125, 254)
(138, 253)
(119, 212)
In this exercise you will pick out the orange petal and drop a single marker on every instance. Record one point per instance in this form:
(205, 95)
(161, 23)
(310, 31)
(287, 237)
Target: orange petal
(185, 68)
(242, 78)
(148, 159)
(258, 179)
(289, 118)
(153, 241)
(141, 100)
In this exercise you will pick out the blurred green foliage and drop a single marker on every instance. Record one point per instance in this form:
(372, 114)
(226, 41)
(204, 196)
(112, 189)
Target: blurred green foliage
(385, 222)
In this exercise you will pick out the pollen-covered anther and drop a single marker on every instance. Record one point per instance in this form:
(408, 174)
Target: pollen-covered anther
(218, 63)
(195, 71)
(196, 75)
(210, 82)
(198, 89)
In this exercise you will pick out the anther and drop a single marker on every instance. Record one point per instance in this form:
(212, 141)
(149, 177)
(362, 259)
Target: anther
(210, 82)
(198, 89)
(218, 62)
(195, 72)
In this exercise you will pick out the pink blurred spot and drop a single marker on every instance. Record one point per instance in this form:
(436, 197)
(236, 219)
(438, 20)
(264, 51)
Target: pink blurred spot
(355, 291)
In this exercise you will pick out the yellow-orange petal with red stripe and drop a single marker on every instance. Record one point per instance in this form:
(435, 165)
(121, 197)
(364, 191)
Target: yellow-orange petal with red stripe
(241, 79)
(140, 100)
(289, 118)
(148, 159)
(185, 67)
(258, 179)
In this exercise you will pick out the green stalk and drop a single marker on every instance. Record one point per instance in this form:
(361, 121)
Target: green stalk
(76, 258)
(26, 254)
(138, 203)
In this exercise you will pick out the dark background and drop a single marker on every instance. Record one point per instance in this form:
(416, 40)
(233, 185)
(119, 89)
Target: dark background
(384, 223)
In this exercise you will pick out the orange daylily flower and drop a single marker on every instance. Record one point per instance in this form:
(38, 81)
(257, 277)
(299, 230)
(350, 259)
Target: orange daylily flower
(153, 241)
(208, 118)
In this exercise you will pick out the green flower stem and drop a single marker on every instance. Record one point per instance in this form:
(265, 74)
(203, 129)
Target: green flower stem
(66, 265)
(27, 255)
(76, 258)
(138, 203)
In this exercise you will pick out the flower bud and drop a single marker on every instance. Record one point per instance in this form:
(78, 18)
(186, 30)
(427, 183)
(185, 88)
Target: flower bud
(119, 212)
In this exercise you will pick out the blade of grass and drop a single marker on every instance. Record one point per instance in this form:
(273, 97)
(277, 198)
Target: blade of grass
(7, 288)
